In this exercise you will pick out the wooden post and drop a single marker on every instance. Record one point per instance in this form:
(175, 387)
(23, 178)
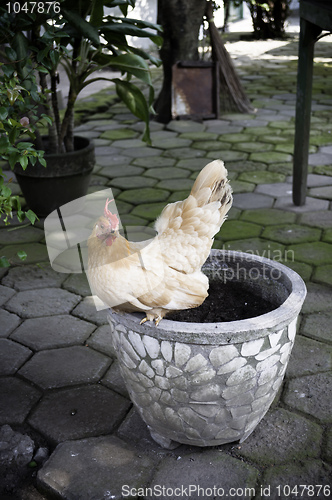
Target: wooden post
(308, 36)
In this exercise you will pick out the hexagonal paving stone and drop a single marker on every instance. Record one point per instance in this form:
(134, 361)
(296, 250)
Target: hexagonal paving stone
(167, 173)
(120, 133)
(291, 233)
(252, 147)
(77, 413)
(87, 310)
(211, 145)
(270, 157)
(12, 356)
(22, 235)
(235, 138)
(320, 219)
(261, 177)
(66, 366)
(193, 164)
(101, 340)
(257, 246)
(170, 143)
(176, 184)
(287, 480)
(318, 298)
(77, 283)
(8, 322)
(282, 436)
(206, 469)
(36, 253)
(327, 236)
(304, 270)
(309, 357)
(182, 153)
(237, 230)
(132, 182)
(268, 216)
(144, 195)
(182, 126)
(242, 187)
(227, 156)
(5, 294)
(45, 302)
(318, 326)
(118, 171)
(33, 276)
(252, 200)
(178, 195)
(323, 274)
(324, 192)
(95, 468)
(275, 189)
(52, 331)
(19, 396)
(311, 394)
(317, 253)
(154, 162)
(199, 136)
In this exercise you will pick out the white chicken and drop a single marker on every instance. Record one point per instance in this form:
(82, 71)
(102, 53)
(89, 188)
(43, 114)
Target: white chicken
(163, 274)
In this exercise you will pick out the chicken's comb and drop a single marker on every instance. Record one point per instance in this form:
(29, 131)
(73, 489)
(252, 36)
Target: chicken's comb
(108, 214)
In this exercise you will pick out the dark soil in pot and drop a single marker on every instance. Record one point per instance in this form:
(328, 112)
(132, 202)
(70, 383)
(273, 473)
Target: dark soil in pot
(226, 302)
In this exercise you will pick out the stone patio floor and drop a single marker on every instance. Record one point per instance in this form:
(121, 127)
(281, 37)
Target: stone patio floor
(60, 384)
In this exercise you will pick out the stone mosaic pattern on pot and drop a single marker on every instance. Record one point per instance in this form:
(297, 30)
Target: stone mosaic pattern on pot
(202, 395)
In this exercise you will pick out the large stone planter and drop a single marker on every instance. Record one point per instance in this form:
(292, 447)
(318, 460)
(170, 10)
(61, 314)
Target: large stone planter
(207, 384)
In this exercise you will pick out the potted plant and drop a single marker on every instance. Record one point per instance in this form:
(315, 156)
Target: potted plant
(15, 104)
(210, 383)
(83, 38)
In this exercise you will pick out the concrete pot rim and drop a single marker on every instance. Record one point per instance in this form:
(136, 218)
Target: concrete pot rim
(232, 332)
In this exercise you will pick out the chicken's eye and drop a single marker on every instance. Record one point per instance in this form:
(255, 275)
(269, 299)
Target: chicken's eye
(102, 226)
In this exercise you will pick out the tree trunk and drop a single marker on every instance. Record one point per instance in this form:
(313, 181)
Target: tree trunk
(181, 21)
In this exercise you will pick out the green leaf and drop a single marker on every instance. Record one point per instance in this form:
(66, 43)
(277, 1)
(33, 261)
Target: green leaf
(133, 64)
(82, 26)
(22, 255)
(11, 54)
(3, 113)
(135, 101)
(24, 162)
(42, 161)
(31, 216)
(97, 13)
(4, 262)
(13, 159)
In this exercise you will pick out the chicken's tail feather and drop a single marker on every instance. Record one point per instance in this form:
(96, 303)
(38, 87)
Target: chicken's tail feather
(212, 186)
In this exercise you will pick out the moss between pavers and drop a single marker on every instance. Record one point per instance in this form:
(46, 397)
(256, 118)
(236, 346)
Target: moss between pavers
(268, 216)
(211, 145)
(120, 133)
(235, 137)
(323, 274)
(291, 233)
(317, 253)
(149, 211)
(238, 230)
(261, 177)
(240, 186)
(251, 147)
(320, 139)
(327, 236)
(271, 157)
